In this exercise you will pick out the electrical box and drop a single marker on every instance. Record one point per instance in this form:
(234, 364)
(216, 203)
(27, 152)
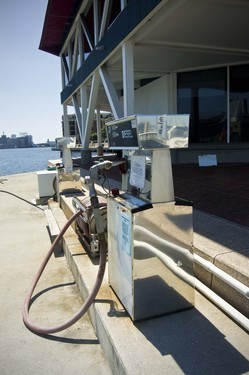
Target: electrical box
(46, 183)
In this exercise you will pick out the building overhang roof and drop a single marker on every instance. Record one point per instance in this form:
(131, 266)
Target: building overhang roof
(175, 36)
(58, 20)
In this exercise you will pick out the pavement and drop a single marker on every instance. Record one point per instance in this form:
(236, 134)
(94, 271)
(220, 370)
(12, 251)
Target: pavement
(220, 197)
(222, 190)
(200, 340)
(24, 243)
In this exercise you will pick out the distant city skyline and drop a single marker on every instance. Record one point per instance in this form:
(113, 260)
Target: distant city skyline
(24, 140)
(30, 78)
(24, 134)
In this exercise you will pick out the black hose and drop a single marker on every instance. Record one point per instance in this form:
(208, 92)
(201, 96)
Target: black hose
(102, 263)
(22, 199)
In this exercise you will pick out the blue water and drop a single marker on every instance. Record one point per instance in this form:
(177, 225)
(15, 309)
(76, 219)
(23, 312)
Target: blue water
(20, 160)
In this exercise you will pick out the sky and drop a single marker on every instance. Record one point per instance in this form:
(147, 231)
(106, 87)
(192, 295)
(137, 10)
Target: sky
(30, 79)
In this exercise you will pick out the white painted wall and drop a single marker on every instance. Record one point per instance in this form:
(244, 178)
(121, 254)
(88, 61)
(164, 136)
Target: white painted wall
(156, 97)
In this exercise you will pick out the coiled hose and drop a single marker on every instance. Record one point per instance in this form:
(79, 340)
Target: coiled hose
(102, 263)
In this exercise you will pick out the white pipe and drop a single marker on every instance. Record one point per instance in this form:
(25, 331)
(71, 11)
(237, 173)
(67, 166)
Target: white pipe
(170, 245)
(230, 280)
(169, 262)
(231, 311)
(243, 289)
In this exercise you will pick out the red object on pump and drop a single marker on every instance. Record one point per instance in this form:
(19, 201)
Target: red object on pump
(115, 192)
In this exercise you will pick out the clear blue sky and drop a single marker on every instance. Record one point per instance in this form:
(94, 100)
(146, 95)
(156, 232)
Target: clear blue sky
(30, 79)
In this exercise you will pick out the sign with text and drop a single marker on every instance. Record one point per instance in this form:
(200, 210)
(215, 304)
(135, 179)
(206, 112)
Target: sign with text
(122, 135)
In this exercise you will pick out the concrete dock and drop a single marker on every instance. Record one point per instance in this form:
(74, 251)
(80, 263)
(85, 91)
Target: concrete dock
(201, 340)
(24, 243)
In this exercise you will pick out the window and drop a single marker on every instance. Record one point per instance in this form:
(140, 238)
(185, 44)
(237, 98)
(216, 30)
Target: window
(239, 103)
(203, 95)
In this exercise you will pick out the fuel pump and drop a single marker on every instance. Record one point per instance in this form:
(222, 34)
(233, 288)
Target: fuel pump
(150, 257)
(93, 219)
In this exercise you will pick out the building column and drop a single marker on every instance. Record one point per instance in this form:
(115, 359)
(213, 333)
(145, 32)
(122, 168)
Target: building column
(99, 138)
(128, 78)
(65, 122)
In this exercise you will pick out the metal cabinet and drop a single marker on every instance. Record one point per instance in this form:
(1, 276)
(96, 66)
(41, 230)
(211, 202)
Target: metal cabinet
(150, 257)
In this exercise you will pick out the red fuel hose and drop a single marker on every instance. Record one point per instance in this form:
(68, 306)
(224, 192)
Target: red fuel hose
(102, 263)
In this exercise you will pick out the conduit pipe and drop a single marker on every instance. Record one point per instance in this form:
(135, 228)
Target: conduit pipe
(230, 280)
(234, 283)
(167, 260)
(226, 307)
(102, 263)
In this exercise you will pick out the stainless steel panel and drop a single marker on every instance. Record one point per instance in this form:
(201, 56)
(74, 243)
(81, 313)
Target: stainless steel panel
(163, 271)
(120, 252)
(157, 131)
(150, 258)
(149, 132)
(158, 175)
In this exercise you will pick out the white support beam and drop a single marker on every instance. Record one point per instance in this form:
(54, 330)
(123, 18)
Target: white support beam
(98, 119)
(70, 59)
(123, 4)
(111, 93)
(65, 121)
(77, 113)
(65, 67)
(83, 101)
(172, 93)
(63, 74)
(75, 51)
(91, 109)
(86, 32)
(96, 20)
(104, 18)
(128, 77)
(81, 44)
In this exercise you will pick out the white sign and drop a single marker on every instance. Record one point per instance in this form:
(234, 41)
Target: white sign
(207, 160)
(137, 175)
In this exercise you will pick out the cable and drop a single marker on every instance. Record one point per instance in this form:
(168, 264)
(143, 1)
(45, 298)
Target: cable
(22, 199)
(105, 179)
(102, 263)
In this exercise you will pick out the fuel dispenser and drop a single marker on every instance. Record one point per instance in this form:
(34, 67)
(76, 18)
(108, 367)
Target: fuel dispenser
(150, 232)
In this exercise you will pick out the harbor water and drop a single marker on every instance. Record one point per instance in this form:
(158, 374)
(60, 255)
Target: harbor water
(21, 160)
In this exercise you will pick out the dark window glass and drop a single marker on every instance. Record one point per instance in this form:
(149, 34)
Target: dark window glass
(239, 103)
(203, 95)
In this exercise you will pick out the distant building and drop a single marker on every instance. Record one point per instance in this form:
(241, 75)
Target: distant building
(73, 127)
(22, 134)
(51, 143)
(25, 141)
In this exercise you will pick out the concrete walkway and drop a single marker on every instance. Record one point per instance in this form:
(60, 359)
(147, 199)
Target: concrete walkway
(201, 340)
(24, 243)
